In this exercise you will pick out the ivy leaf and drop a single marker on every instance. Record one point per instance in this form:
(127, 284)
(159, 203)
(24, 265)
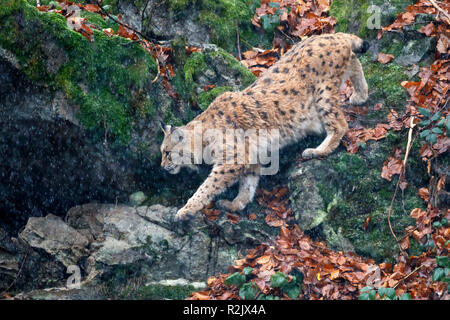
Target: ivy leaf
(405, 296)
(293, 288)
(438, 273)
(443, 261)
(292, 291)
(390, 293)
(424, 111)
(366, 289)
(436, 130)
(236, 279)
(382, 292)
(432, 138)
(364, 296)
(247, 270)
(278, 280)
(372, 294)
(266, 22)
(274, 4)
(425, 133)
(424, 123)
(247, 292)
(436, 116)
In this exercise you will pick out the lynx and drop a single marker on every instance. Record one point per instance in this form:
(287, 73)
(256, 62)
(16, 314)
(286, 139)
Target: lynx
(297, 96)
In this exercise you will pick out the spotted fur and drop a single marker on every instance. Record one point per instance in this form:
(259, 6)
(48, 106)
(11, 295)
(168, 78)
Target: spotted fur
(299, 95)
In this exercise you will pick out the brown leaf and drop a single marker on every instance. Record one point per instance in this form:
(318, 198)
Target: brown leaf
(424, 193)
(393, 165)
(429, 29)
(91, 8)
(384, 58)
(233, 218)
(108, 31)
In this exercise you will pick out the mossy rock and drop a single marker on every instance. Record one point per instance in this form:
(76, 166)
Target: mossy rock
(219, 20)
(109, 78)
(212, 66)
(354, 16)
(347, 189)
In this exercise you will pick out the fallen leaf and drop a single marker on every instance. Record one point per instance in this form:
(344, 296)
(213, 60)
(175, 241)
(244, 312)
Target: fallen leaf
(384, 58)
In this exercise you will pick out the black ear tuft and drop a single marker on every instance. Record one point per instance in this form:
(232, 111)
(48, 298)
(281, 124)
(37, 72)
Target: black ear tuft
(162, 126)
(365, 46)
(166, 128)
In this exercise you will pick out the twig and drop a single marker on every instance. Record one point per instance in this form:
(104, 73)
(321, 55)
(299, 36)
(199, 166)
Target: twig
(237, 40)
(400, 178)
(407, 276)
(440, 10)
(4, 292)
(143, 14)
(408, 146)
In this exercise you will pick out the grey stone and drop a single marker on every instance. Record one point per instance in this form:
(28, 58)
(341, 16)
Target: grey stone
(137, 198)
(415, 51)
(56, 238)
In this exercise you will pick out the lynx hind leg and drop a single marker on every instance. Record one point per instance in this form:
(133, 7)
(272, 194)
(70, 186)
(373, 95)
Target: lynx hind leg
(356, 75)
(247, 188)
(220, 178)
(335, 126)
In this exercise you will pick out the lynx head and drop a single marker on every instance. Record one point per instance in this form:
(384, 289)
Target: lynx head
(175, 149)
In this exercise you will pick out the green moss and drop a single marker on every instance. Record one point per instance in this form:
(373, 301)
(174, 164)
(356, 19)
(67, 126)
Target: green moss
(178, 4)
(222, 18)
(358, 192)
(247, 78)
(202, 63)
(194, 65)
(160, 292)
(98, 21)
(107, 77)
(205, 98)
(352, 15)
(384, 81)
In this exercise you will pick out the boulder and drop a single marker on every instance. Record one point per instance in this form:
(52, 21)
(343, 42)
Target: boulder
(113, 244)
(79, 120)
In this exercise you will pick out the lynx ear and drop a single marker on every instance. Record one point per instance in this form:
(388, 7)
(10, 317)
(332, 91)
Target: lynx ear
(166, 128)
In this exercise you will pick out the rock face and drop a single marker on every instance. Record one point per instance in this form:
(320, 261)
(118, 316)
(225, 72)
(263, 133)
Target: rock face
(79, 120)
(110, 243)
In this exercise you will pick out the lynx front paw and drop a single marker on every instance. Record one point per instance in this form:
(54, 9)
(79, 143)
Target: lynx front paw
(183, 214)
(356, 99)
(230, 205)
(309, 153)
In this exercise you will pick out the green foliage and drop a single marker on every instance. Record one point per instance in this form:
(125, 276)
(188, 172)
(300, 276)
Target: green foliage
(352, 15)
(369, 293)
(278, 280)
(236, 279)
(344, 189)
(291, 288)
(433, 125)
(108, 78)
(385, 81)
(247, 77)
(222, 18)
(247, 271)
(442, 273)
(205, 98)
(248, 289)
(159, 292)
